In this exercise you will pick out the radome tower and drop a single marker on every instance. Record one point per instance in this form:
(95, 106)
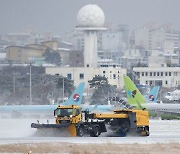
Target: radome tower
(90, 20)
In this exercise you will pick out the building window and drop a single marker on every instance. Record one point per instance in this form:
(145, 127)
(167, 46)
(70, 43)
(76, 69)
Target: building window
(114, 76)
(142, 73)
(104, 71)
(157, 73)
(69, 76)
(166, 73)
(154, 73)
(150, 83)
(169, 73)
(166, 82)
(146, 82)
(146, 73)
(161, 73)
(150, 73)
(81, 76)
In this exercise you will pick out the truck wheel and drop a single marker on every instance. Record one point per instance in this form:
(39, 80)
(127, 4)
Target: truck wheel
(122, 132)
(147, 130)
(147, 133)
(80, 132)
(95, 132)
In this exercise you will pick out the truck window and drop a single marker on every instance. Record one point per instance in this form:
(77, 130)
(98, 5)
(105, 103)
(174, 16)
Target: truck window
(63, 112)
(78, 111)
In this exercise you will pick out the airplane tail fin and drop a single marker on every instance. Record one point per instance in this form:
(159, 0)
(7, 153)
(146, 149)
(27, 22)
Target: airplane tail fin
(152, 96)
(76, 97)
(135, 98)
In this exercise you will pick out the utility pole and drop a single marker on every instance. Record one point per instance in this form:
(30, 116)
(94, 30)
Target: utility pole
(108, 99)
(63, 89)
(30, 92)
(14, 83)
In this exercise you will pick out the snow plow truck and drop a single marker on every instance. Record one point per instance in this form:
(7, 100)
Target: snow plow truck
(79, 123)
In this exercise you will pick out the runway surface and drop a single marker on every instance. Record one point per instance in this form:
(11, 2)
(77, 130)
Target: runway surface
(19, 131)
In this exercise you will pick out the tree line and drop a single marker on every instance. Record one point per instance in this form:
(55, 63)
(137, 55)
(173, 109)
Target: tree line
(46, 89)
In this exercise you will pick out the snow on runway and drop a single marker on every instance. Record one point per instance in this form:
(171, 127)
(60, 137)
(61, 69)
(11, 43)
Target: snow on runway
(20, 131)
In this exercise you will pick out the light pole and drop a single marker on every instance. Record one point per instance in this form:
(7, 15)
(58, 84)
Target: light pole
(30, 92)
(63, 89)
(14, 83)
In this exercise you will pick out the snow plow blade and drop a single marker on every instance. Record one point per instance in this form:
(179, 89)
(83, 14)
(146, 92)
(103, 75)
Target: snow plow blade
(55, 129)
(72, 130)
(35, 125)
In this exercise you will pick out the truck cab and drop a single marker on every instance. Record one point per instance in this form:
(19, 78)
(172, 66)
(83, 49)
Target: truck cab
(68, 114)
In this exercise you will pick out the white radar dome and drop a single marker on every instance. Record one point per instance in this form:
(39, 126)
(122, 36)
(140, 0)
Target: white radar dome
(90, 16)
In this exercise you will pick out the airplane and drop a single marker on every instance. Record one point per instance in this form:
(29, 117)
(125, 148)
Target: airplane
(136, 99)
(41, 110)
(47, 110)
(151, 97)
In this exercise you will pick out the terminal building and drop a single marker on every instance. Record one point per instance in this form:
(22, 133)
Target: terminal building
(159, 76)
(162, 69)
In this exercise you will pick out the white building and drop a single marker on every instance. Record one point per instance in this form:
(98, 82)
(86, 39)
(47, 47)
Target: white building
(162, 58)
(153, 37)
(132, 57)
(161, 76)
(113, 73)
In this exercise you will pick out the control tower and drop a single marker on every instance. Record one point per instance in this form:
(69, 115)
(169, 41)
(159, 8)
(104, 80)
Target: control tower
(90, 20)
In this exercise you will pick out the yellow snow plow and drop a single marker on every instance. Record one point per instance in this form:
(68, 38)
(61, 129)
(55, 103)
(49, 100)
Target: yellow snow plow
(75, 122)
(67, 120)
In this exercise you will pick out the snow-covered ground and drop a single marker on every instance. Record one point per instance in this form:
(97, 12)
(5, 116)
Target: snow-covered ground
(20, 131)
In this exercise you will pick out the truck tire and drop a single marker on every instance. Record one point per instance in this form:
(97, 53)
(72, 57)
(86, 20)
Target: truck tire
(80, 132)
(122, 132)
(95, 131)
(147, 131)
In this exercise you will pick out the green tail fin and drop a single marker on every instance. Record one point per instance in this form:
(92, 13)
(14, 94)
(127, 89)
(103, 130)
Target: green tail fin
(134, 96)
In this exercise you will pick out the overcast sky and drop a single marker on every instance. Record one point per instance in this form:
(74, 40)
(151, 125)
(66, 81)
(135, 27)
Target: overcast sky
(59, 16)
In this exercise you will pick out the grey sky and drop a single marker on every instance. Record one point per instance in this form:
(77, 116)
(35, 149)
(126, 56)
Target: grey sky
(59, 16)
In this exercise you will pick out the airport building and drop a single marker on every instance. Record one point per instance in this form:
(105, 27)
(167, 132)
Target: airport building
(160, 76)
(113, 73)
